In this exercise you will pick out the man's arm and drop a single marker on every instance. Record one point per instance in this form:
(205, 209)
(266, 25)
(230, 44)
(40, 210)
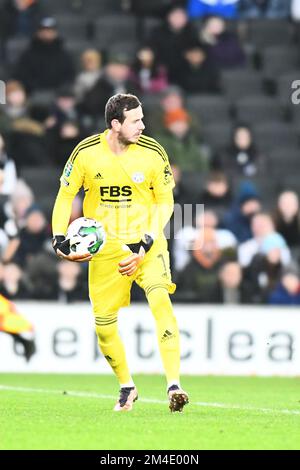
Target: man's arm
(71, 181)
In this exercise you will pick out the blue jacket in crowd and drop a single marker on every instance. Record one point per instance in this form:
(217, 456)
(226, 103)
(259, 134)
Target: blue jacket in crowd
(225, 8)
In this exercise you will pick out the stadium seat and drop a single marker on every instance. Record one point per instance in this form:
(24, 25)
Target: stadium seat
(72, 27)
(14, 48)
(241, 83)
(258, 109)
(274, 134)
(267, 32)
(279, 59)
(43, 181)
(209, 108)
(217, 135)
(108, 29)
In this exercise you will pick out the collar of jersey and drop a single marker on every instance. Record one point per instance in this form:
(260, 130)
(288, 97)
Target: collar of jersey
(108, 149)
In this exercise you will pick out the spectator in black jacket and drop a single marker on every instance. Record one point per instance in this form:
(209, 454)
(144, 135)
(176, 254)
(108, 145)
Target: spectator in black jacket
(170, 40)
(19, 17)
(45, 65)
(198, 74)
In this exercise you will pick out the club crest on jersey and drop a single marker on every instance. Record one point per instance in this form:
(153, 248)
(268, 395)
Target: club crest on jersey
(138, 177)
(68, 169)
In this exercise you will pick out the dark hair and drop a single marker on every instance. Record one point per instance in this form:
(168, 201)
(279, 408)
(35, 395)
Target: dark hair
(116, 106)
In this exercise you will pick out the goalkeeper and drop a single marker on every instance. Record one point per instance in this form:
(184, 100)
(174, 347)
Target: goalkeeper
(128, 186)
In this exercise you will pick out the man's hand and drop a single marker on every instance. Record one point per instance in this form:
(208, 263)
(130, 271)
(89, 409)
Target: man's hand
(129, 265)
(61, 247)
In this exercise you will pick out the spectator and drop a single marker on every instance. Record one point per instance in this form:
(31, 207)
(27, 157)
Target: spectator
(265, 239)
(22, 201)
(9, 171)
(176, 34)
(263, 272)
(231, 288)
(272, 9)
(287, 292)
(16, 116)
(45, 65)
(148, 75)
(238, 218)
(9, 236)
(242, 156)
(199, 279)
(19, 17)
(198, 74)
(181, 143)
(62, 142)
(115, 79)
(186, 236)
(64, 109)
(70, 282)
(216, 195)
(200, 8)
(172, 99)
(91, 63)
(33, 237)
(287, 218)
(223, 47)
(12, 284)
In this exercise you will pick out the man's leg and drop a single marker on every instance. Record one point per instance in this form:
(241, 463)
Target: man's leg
(167, 331)
(155, 278)
(113, 350)
(110, 291)
(168, 341)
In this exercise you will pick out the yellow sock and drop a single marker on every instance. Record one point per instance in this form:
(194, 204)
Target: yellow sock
(112, 347)
(167, 332)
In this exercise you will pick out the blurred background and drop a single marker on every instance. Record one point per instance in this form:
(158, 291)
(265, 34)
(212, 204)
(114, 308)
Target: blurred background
(217, 80)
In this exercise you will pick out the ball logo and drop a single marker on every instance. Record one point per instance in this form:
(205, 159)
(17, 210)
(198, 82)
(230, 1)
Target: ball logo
(138, 177)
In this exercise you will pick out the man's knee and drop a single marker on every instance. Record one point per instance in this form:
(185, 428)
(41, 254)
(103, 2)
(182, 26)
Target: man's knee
(106, 327)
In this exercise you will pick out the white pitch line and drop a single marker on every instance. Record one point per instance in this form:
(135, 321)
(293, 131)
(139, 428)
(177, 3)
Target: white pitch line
(73, 393)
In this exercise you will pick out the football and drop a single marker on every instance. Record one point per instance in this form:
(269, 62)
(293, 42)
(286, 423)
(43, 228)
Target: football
(86, 235)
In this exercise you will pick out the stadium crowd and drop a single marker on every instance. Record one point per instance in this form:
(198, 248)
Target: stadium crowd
(215, 79)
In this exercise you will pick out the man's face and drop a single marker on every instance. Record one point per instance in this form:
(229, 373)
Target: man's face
(132, 127)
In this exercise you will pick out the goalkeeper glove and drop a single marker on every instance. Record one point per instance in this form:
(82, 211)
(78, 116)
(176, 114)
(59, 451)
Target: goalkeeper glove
(59, 242)
(142, 246)
(130, 264)
(61, 246)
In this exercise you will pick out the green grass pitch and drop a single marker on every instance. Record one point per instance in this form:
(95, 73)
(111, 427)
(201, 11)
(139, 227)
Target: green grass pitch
(53, 411)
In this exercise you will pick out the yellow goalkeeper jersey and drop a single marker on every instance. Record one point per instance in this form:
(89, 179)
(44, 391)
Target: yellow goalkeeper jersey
(121, 191)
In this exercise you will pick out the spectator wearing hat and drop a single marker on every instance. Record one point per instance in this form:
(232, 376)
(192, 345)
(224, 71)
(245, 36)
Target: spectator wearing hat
(287, 291)
(45, 65)
(202, 8)
(181, 142)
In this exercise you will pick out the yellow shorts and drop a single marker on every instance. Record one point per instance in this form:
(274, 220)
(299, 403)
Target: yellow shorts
(109, 290)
